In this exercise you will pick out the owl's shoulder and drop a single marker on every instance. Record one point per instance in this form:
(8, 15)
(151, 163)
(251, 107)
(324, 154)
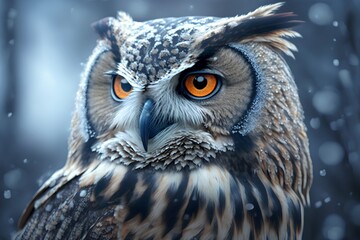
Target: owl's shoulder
(63, 209)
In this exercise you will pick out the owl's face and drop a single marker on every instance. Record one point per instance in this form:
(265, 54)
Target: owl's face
(185, 104)
(178, 93)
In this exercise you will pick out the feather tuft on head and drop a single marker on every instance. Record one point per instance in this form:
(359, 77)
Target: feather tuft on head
(261, 25)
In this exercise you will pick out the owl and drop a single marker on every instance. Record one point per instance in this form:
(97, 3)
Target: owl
(184, 128)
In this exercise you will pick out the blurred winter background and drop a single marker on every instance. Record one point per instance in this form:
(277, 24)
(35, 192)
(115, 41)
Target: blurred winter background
(44, 44)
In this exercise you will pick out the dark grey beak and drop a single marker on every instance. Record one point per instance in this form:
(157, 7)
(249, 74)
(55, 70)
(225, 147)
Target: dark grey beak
(148, 125)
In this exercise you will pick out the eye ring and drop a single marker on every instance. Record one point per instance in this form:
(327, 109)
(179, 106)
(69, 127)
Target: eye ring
(200, 85)
(120, 88)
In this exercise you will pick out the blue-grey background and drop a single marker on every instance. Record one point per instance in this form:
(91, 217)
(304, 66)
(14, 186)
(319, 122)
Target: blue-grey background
(44, 43)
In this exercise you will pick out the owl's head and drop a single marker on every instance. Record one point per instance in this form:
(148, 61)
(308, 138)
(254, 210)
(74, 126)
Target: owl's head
(180, 93)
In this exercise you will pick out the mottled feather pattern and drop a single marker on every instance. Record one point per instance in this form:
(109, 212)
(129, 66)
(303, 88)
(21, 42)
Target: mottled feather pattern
(208, 203)
(235, 165)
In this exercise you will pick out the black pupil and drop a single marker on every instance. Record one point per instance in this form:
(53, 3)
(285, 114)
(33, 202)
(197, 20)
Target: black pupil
(200, 82)
(125, 85)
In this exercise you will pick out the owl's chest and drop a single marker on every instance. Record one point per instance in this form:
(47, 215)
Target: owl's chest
(207, 203)
(168, 205)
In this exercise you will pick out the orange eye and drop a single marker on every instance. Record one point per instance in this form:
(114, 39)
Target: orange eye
(120, 88)
(201, 85)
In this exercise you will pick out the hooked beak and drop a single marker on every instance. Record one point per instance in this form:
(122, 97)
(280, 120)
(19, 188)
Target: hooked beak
(148, 125)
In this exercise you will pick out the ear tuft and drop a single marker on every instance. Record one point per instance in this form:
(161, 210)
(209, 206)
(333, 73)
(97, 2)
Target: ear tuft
(261, 25)
(103, 27)
(124, 17)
